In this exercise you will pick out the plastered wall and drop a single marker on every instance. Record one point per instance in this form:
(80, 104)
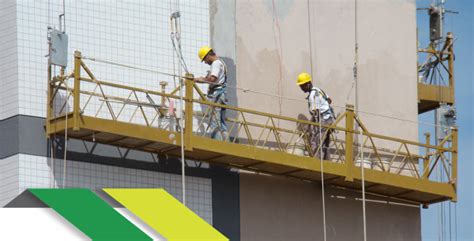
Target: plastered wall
(270, 42)
(280, 209)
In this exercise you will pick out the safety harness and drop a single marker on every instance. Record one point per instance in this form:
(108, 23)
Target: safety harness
(216, 90)
(326, 98)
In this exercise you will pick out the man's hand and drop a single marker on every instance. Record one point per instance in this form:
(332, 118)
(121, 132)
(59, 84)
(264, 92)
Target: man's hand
(200, 80)
(315, 113)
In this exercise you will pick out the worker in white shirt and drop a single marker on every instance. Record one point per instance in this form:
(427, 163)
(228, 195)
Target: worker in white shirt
(217, 91)
(319, 106)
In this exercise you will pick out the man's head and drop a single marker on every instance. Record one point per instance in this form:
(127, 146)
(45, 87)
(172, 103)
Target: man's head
(304, 82)
(207, 55)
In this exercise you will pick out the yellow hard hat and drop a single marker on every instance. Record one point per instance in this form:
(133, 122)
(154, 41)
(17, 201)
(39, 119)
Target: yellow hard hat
(303, 78)
(203, 52)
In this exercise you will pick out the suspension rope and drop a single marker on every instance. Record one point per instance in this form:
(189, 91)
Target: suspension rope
(359, 136)
(51, 142)
(63, 24)
(173, 53)
(321, 155)
(129, 66)
(175, 36)
(179, 51)
(310, 37)
(181, 125)
(65, 135)
(323, 194)
(456, 221)
(278, 43)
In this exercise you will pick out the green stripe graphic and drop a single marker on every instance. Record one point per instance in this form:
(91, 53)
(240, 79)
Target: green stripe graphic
(90, 214)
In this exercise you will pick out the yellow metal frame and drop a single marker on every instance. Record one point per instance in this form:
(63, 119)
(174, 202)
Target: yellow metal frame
(429, 95)
(259, 145)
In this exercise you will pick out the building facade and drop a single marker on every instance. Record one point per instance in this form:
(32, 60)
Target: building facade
(265, 45)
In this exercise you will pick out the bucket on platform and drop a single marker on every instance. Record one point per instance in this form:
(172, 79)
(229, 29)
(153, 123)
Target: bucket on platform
(296, 149)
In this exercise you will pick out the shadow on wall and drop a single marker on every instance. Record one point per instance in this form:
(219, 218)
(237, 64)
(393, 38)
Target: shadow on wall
(231, 89)
(231, 82)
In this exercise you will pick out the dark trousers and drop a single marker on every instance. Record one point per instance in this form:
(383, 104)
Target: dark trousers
(319, 137)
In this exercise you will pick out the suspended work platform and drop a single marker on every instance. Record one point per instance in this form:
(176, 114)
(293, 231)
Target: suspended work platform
(433, 90)
(109, 113)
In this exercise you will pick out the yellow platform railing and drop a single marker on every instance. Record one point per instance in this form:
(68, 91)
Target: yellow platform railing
(96, 98)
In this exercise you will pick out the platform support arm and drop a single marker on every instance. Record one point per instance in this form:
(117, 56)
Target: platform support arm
(426, 160)
(77, 90)
(454, 171)
(349, 157)
(188, 114)
(450, 43)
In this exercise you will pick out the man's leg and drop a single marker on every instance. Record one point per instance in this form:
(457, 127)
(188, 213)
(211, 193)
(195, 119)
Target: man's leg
(213, 121)
(223, 124)
(218, 125)
(326, 137)
(314, 138)
(222, 117)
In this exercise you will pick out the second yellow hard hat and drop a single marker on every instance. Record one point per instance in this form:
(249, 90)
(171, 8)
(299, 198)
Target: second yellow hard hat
(303, 78)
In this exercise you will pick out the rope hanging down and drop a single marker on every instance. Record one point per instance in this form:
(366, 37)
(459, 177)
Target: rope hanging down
(175, 36)
(359, 136)
(323, 191)
(65, 134)
(321, 155)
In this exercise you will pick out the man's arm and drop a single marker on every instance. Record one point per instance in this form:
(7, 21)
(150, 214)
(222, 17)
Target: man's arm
(210, 79)
(313, 103)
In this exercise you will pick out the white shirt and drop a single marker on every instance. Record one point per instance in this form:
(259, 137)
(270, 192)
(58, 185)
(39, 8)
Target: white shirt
(316, 101)
(218, 70)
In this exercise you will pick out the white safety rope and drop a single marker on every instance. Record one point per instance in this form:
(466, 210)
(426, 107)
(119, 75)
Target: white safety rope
(52, 139)
(456, 221)
(50, 74)
(173, 53)
(51, 148)
(359, 136)
(175, 36)
(310, 38)
(65, 136)
(321, 157)
(181, 125)
(62, 24)
(278, 43)
(128, 66)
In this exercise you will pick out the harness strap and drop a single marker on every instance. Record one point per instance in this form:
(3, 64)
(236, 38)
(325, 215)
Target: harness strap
(215, 87)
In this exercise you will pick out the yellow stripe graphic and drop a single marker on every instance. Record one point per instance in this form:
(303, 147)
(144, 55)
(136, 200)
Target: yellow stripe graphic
(165, 214)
